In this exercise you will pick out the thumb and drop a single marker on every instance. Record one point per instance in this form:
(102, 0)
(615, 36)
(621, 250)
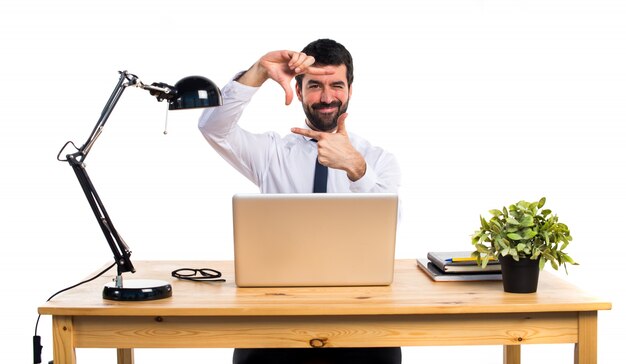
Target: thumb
(341, 123)
(286, 85)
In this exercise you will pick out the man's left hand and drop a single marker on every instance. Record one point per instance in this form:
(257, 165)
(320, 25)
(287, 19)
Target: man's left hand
(334, 150)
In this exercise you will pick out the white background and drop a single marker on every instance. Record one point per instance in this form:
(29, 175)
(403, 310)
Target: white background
(483, 102)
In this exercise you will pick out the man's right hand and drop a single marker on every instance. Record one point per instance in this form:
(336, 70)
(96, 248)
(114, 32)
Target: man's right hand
(282, 67)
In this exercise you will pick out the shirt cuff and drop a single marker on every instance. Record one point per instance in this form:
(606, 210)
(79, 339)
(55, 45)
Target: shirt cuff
(239, 91)
(365, 183)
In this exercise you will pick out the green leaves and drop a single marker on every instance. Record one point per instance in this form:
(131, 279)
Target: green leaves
(512, 221)
(528, 234)
(542, 202)
(525, 229)
(484, 223)
(527, 220)
(495, 213)
(514, 236)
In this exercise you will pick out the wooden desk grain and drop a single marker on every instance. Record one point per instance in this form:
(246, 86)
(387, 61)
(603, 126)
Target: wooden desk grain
(412, 311)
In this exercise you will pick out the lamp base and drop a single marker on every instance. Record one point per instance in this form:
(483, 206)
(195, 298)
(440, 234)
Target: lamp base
(137, 290)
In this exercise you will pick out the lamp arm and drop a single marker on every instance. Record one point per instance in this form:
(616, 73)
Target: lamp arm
(120, 250)
(108, 109)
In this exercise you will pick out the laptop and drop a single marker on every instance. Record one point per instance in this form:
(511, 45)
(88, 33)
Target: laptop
(316, 239)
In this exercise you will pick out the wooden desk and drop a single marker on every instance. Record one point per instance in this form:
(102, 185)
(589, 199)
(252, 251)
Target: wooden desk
(414, 311)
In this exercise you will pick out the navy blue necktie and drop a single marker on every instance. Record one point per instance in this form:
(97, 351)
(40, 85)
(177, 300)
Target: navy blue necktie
(321, 176)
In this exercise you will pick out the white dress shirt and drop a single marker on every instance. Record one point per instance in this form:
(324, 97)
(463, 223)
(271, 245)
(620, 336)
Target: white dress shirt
(287, 164)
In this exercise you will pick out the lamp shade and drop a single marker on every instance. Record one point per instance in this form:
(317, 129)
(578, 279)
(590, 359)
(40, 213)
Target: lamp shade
(195, 92)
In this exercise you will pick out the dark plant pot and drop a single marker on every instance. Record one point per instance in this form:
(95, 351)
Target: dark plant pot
(519, 276)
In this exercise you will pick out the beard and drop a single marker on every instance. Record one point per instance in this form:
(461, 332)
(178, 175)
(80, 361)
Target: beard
(324, 121)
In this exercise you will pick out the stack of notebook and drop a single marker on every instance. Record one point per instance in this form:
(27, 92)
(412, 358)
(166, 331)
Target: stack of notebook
(458, 266)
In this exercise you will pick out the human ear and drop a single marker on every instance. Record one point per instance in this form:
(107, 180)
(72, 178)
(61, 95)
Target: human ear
(299, 92)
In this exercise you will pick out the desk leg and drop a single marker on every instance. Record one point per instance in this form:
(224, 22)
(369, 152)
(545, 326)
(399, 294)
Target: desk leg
(125, 356)
(512, 354)
(586, 350)
(63, 338)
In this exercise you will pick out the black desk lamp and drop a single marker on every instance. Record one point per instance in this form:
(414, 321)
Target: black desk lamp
(189, 92)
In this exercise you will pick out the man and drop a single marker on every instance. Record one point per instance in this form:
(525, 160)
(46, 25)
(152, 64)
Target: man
(324, 75)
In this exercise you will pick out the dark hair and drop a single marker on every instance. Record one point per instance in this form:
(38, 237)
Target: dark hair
(327, 52)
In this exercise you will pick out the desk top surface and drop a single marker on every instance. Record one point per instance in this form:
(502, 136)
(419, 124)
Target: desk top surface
(412, 292)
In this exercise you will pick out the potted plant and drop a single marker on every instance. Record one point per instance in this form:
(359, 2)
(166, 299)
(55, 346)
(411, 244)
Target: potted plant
(523, 238)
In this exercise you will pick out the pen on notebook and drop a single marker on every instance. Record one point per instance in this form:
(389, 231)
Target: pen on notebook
(463, 259)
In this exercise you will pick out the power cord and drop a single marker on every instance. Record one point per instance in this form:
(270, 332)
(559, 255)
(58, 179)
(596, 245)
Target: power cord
(37, 348)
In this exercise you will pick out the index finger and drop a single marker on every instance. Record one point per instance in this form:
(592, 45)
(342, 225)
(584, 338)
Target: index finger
(307, 133)
(299, 61)
(320, 71)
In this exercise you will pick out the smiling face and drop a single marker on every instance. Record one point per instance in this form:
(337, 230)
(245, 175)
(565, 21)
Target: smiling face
(324, 98)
